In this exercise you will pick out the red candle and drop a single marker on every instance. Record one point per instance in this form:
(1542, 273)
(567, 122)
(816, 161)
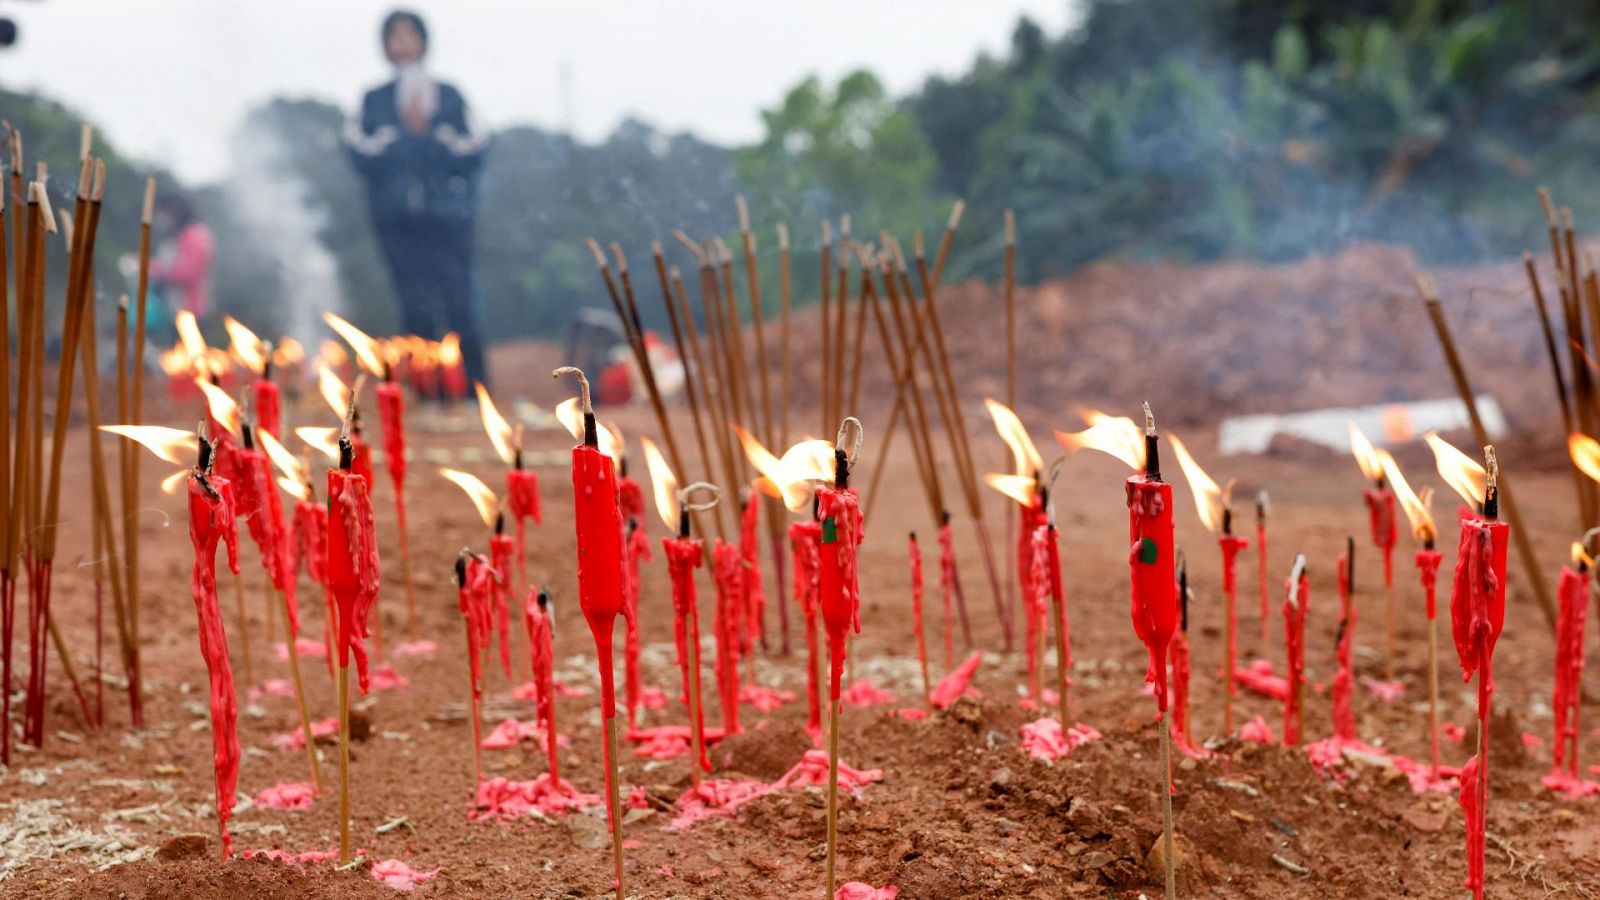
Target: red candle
(1150, 559)
(1296, 604)
(837, 580)
(352, 560)
(684, 555)
(392, 412)
(1344, 718)
(1261, 559)
(1573, 592)
(806, 540)
(542, 657)
(311, 555)
(212, 521)
(266, 525)
(475, 597)
(947, 583)
(1032, 517)
(727, 569)
(1048, 536)
(501, 548)
(522, 502)
(1180, 662)
(269, 407)
(1230, 544)
(754, 597)
(598, 521)
(360, 456)
(914, 554)
(1477, 614)
(638, 549)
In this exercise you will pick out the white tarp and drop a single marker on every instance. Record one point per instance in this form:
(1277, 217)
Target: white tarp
(1384, 424)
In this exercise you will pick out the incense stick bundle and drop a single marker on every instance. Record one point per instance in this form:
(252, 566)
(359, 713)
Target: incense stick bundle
(693, 380)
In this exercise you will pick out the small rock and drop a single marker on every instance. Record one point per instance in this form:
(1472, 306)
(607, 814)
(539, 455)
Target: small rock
(1086, 819)
(1424, 820)
(1155, 861)
(360, 725)
(184, 846)
(967, 711)
(1098, 860)
(1000, 779)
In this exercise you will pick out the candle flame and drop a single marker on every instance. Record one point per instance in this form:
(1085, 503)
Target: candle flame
(1581, 556)
(176, 362)
(788, 478)
(1020, 488)
(1117, 436)
(663, 483)
(333, 390)
(170, 444)
(1209, 499)
(1463, 473)
(501, 434)
(482, 497)
(281, 457)
(1025, 457)
(333, 354)
(1366, 455)
(288, 353)
(223, 409)
(1585, 452)
(448, 352)
(172, 483)
(295, 487)
(189, 336)
(570, 415)
(1415, 505)
(323, 440)
(248, 349)
(368, 353)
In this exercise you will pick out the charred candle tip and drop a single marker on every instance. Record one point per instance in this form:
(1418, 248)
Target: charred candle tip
(543, 598)
(1263, 504)
(1491, 484)
(461, 566)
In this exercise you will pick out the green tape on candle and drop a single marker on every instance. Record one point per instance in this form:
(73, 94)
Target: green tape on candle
(830, 531)
(1148, 552)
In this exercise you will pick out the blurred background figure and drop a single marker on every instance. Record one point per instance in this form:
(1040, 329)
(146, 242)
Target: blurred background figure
(180, 271)
(421, 156)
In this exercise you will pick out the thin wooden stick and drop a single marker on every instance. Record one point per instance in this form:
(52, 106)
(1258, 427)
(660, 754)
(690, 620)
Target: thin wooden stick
(1010, 292)
(300, 693)
(1166, 801)
(717, 409)
(1530, 562)
(472, 710)
(825, 378)
(785, 299)
(905, 381)
(833, 792)
(945, 242)
(691, 371)
(733, 346)
(753, 275)
(836, 399)
(130, 508)
(613, 799)
(1585, 508)
(344, 764)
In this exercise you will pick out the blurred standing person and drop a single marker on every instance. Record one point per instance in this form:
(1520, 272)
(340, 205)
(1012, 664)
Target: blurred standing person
(416, 146)
(180, 271)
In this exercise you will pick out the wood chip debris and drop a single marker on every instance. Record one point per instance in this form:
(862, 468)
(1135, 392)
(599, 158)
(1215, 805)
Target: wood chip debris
(1290, 864)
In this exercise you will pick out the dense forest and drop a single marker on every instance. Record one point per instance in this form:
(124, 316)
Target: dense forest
(1187, 129)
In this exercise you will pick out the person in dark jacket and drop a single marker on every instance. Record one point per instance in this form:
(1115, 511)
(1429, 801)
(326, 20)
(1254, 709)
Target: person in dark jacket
(417, 148)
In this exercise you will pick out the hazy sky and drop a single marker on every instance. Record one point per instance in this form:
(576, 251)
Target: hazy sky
(170, 78)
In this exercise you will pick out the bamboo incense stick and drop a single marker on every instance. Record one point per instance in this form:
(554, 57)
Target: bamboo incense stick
(130, 509)
(691, 371)
(1441, 327)
(785, 299)
(344, 763)
(824, 289)
(300, 691)
(753, 275)
(840, 338)
(833, 793)
(1009, 296)
(1166, 801)
(1586, 511)
(905, 381)
(713, 387)
(946, 241)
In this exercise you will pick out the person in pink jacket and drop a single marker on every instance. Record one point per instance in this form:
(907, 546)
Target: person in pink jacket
(181, 272)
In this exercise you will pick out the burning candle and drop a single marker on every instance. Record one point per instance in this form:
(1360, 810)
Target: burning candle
(1180, 659)
(256, 356)
(212, 522)
(727, 570)
(522, 485)
(1023, 486)
(1477, 614)
(840, 599)
(635, 547)
(353, 578)
(1216, 514)
(1573, 593)
(598, 520)
(1427, 559)
(1380, 502)
(475, 590)
(391, 412)
(541, 657)
(753, 596)
(1261, 558)
(684, 555)
(1152, 580)
(1296, 606)
(495, 590)
(947, 588)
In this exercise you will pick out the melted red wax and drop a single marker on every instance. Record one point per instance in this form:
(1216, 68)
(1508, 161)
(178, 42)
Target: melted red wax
(684, 555)
(638, 549)
(542, 659)
(501, 548)
(839, 589)
(805, 539)
(671, 741)
(755, 598)
(947, 589)
(957, 683)
(864, 693)
(212, 521)
(1258, 677)
(501, 798)
(352, 564)
(1230, 546)
(272, 687)
(1154, 588)
(392, 410)
(1387, 691)
(652, 697)
(421, 649)
(475, 600)
(1039, 595)
(727, 566)
(267, 526)
(1296, 606)
(716, 797)
(311, 540)
(855, 890)
(1032, 516)
(1428, 572)
(1573, 594)
(1452, 732)
(1261, 574)
(512, 732)
(296, 739)
(812, 769)
(1477, 614)
(1257, 731)
(1052, 553)
(400, 876)
(287, 795)
(302, 646)
(1044, 739)
(269, 408)
(763, 698)
(385, 678)
(1344, 717)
